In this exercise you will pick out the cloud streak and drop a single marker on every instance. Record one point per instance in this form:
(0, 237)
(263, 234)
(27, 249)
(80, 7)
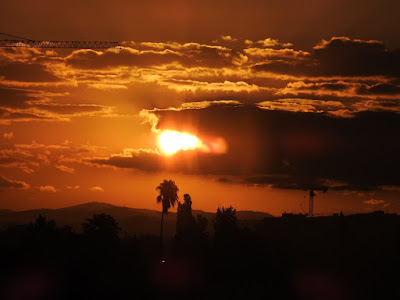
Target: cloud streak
(6, 183)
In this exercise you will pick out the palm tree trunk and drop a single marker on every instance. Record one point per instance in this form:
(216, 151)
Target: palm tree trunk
(161, 232)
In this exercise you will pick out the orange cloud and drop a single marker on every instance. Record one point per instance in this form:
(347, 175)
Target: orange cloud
(374, 202)
(76, 187)
(8, 135)
(48, 188)
(97, 189)
(65, 169)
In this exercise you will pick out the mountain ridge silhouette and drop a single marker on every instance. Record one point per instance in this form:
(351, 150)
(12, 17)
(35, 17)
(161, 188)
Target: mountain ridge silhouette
(133, 221)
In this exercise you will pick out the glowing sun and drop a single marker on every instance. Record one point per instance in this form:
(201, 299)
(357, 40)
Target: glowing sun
(173, 141)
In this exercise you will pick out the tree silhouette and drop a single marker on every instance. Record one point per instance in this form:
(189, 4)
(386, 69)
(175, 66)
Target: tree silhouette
(191, 235)
(44, 237)
(188, 229)
(101, 227)
(168, 197)
(187, 200)
(225, 225)
(184, 218)
(42, 225)
(201, 226)
(42, 229)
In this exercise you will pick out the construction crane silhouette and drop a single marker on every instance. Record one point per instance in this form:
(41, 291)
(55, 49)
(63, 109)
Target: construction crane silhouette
(22, 42)
(324, 189)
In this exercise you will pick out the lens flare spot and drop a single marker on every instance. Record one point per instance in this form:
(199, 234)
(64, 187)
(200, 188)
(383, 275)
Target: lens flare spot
(172, 141)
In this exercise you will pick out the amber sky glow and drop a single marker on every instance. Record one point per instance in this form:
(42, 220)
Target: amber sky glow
(244, 104)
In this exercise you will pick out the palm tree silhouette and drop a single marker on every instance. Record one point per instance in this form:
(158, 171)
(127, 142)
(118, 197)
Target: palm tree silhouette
(168, 196)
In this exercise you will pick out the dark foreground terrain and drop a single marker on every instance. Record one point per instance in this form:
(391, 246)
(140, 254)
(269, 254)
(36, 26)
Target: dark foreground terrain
(338, 257)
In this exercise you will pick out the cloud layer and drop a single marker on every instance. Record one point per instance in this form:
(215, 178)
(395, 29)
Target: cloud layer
(292, 118)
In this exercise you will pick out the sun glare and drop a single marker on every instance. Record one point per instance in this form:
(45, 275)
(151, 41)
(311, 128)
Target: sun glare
(173, 141)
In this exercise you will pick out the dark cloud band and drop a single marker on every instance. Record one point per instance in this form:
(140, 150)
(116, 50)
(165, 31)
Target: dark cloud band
(280, 148)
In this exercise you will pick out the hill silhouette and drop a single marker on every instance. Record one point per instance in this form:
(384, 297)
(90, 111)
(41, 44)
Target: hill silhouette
(133, 221)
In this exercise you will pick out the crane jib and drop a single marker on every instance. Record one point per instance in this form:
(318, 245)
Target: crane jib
(59, 44)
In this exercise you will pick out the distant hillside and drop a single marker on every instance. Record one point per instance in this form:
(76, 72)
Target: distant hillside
(132, 220)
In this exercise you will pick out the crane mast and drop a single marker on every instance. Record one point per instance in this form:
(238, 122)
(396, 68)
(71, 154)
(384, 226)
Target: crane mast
(324, 189)
(311, 203)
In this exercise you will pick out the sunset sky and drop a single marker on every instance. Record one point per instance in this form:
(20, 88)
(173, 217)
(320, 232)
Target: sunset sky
(279, 96)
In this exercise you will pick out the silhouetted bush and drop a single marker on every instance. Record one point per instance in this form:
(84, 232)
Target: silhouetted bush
(225, 226)
(101, 227)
